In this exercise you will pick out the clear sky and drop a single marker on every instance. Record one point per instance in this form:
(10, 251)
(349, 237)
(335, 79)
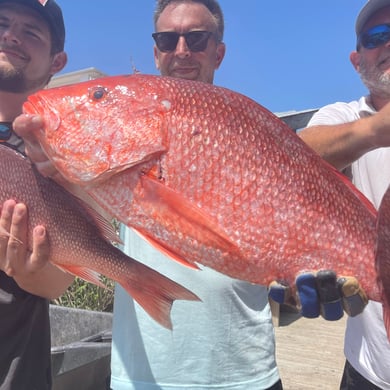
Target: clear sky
(286, 55)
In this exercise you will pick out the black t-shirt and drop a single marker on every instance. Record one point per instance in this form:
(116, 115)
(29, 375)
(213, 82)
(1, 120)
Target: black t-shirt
(24, 338)
(25, 360)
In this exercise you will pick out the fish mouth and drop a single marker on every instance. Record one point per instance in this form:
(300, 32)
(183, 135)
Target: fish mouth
(37, 105)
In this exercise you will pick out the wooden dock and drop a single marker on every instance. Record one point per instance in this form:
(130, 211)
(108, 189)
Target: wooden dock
(309, 352)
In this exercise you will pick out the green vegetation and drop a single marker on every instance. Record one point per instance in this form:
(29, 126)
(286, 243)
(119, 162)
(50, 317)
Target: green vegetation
(84, 295)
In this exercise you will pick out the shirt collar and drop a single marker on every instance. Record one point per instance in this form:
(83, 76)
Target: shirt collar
(365, 106)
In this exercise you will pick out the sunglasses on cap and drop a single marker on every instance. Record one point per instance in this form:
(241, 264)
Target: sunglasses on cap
(195, 40)
(374, 37)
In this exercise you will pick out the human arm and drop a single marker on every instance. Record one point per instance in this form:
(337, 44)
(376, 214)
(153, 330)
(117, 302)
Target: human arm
(342, 143)
(32, 271)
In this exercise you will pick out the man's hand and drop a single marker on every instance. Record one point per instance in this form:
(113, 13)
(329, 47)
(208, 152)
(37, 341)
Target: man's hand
(30, 269)
(321, 293)
(15, 259)
(27, 126)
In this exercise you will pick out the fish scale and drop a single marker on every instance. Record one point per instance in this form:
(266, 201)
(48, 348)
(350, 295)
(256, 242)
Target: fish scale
(209, 176)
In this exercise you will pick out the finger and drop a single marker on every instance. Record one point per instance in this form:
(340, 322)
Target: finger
(18, 229)
(40, 250)
(354, 298)
(5, 225)
(307, 292)
(16, 250)
(330, 299)
(26, 126)
(278, 292)
(281, 293)
(6, 217)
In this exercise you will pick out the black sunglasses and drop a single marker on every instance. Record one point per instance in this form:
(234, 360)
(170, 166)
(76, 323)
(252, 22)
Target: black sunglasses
(195, 40)
(374, 37)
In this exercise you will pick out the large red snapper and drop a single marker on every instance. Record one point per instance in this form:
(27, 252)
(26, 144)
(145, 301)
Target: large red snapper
(77, 237)
(209, 176)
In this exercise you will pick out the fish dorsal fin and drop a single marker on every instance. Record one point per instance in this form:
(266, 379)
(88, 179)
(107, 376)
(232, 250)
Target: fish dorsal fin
(353, 188)
(382, 257)
(170, 207)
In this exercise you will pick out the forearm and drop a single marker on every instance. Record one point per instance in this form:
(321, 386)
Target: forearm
(49, 282)
(342, 144)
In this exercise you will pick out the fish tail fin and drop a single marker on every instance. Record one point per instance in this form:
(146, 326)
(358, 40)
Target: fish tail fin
(382, 258)
(155, 293)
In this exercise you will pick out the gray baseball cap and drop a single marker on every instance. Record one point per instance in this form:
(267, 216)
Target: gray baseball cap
(367, 11)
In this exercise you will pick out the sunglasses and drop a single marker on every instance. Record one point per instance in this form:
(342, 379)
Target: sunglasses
(196, 40)
(374, 37)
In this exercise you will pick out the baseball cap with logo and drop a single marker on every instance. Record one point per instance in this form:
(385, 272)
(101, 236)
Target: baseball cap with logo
(52, 14)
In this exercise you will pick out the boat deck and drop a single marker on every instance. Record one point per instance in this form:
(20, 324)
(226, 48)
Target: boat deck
(309, 352)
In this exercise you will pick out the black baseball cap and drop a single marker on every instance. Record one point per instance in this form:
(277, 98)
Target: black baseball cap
(52, 14)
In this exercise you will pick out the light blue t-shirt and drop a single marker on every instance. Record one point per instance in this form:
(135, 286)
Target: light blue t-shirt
(224, 342)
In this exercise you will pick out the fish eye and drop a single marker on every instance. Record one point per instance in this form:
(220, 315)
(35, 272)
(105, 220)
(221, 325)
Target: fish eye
(97, 93)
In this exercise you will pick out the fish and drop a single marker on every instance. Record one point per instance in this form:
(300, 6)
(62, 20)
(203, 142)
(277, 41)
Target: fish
(81, 240)
(209, 176)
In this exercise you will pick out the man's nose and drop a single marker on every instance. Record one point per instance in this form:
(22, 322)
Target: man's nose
(9, 34)
(182, 49)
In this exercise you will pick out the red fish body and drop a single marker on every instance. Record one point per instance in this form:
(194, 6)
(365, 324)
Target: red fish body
(208, 175)
(78, 245)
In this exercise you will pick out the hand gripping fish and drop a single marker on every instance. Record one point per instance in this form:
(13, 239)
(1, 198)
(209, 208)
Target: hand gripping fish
(80, 238)
(209, 176)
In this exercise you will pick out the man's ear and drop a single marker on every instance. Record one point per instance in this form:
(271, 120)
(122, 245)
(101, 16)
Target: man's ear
(355, 60)
(156, 58)
(221, 50)
(59, 62)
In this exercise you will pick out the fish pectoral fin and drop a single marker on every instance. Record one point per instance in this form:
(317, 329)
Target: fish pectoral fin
(166, 251)
(93, 212)
(83, 273)
(170, 208)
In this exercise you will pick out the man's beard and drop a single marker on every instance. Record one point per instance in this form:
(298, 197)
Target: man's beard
(14, 80)
(376, 80)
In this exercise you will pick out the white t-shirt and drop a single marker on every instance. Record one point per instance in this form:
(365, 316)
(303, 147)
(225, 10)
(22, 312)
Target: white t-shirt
(366, 345)
(224, 342)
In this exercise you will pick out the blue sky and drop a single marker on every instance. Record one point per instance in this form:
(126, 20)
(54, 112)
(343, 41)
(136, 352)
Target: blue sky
(286, 55)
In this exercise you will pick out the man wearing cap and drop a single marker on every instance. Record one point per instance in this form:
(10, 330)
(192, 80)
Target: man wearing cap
(32, 36)
(355, 137)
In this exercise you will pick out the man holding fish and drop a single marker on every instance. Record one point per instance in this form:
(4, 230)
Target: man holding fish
(32, 38)
(208, 346)
(355, 137)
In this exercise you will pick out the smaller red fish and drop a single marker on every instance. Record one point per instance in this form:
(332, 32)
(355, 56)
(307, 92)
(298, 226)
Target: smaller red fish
(79, 239)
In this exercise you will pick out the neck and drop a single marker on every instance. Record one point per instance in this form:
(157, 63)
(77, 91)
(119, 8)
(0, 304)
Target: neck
(11, 105)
